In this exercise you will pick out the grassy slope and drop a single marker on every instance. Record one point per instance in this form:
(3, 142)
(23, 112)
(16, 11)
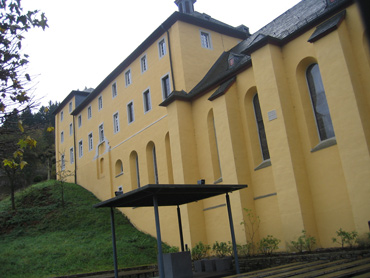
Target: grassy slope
(44, 239)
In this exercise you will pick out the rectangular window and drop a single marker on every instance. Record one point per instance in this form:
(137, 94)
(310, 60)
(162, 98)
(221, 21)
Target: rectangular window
(147, 101)
(62, 137)
(62, 162)
(89, 112)
(130, 112)
(205, 39)
(115, 123)
(114, 89)
(166, 89)
(162, 48)
(144, 64)
(70, 129)
(79, 121)
(100, 103)
(80, 149)
(128, 77)
(90, 140)
(101, 133)
(61, 116)
(71, 155)
(70, 107)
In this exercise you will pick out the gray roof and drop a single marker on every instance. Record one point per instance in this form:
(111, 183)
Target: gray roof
(300, 18)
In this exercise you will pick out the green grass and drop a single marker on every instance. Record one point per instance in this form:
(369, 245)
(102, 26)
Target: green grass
(43, 238)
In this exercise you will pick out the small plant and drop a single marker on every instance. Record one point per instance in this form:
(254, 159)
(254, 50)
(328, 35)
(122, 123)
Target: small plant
(222, 249)
(345, 238)
(251, 226)
(268, 244)
(304, 242)
(245, 249)
(200, 251)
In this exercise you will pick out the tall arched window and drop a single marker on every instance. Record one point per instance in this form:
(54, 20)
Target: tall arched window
(152, 163)
(155, 165)
(212, 137)
(261, 128)
(134, 169)
(119, 167)
(319, 103)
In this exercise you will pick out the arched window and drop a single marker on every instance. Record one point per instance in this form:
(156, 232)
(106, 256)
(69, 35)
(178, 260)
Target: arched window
(118, 168)
(134, 169)
(212, 137)
(319, 103)
(152, 163)
(261, 128)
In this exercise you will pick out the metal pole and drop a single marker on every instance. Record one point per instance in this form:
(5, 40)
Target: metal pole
(180, 228)
(159, 239)
(232, 234)
(114, 242)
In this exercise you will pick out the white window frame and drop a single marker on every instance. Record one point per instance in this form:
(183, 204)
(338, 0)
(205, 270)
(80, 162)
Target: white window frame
(80, 149)
(100, 103)
(62, 162)
(114, 90)
(62, 137)
(144, 63)
(162, 50)
(101, 133)
(70, 107)
(116, 127)
(61, 116)
(130, 112)
(128, 77)
(90, 141)
(70, 129)
(169, 83)
(147, 100)
(79, 120)
(71, 155)
(89, 112)
(208, 42)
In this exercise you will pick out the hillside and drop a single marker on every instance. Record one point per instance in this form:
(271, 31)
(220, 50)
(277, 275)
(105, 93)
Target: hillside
(43, 238)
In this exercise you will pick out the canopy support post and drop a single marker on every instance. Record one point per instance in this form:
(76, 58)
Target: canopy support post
(159, 238)
(180, 228)
(232, 234)
(114, 242)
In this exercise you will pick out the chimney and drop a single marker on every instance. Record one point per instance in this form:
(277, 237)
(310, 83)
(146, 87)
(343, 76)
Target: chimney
(185, 6)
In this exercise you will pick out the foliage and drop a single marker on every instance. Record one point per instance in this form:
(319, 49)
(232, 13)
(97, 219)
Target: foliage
(245, 249)
(222, 249)
(345, 238)
(251, 225)
(13, 80)
(268, 244)
(42, 239)
(363, 240)
(200, 251)
(304, 242)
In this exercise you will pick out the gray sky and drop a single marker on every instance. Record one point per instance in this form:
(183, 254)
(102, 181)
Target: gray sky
(87, 39)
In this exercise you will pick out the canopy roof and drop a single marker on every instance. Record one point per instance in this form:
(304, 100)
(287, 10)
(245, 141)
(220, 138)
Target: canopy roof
(168, 194)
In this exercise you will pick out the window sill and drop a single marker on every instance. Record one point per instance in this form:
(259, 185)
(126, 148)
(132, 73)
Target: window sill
(325, 144)
(264, 164)
(218, 181)
(120, 174)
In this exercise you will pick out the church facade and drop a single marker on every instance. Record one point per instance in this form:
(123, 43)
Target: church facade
(284, 110)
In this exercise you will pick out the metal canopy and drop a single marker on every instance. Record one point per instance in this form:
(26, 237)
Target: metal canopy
(168, 195)
(155, 195)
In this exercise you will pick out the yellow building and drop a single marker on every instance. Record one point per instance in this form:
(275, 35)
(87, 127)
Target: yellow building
(184, 107)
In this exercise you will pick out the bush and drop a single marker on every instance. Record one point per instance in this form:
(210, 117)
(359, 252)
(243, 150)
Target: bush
(304, 242)
(268, 244)
(200, 251)
(222, 249)
(245, 249)
(345, 238)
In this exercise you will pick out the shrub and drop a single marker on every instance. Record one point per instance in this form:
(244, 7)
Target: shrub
(222, 249)
(200, 251)
(345, 238)
(251, 225)
(245, 249)
(268, 244)
(304, 242)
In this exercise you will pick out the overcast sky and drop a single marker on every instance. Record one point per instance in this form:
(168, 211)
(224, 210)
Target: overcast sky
(87, 39)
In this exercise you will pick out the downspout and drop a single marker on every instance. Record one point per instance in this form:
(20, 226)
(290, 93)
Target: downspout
(170, 56)
(74, 147)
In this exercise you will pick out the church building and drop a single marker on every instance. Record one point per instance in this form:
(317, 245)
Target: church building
(285, 110)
